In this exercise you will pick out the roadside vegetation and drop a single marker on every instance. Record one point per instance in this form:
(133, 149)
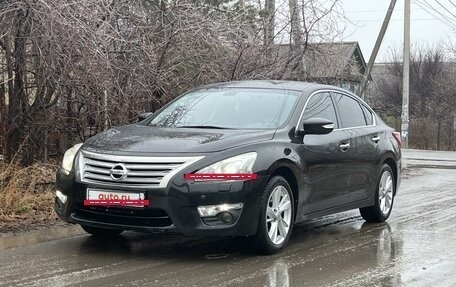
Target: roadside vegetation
(27, 195)
(432, 96)
(71, 69)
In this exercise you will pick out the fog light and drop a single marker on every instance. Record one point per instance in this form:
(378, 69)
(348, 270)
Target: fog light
(226, 217)
(213, 210)
(62, 197)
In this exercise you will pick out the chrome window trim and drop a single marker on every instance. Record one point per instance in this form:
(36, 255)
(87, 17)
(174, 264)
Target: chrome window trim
(360, 101)
(138, 159)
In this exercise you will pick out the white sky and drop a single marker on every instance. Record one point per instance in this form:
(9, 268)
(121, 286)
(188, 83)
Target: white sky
(426, 30)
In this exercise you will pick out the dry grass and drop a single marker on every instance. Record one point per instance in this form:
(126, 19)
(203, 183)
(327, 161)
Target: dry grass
(26, 195)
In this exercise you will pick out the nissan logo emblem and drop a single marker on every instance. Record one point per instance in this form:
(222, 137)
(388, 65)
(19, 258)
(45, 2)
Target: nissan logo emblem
(119, 171)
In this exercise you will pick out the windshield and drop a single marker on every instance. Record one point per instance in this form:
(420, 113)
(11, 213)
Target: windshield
(228, 109)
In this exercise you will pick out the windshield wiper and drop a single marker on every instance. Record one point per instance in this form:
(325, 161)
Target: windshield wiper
(203, 127)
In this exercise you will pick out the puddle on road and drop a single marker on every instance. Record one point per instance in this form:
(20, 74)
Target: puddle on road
(37, 236)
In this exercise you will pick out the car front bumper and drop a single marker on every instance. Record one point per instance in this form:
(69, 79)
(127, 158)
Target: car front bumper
(170, 209)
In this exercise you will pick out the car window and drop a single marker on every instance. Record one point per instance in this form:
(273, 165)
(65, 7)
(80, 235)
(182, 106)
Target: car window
(321, 106)
(350, 112)
(368, 115)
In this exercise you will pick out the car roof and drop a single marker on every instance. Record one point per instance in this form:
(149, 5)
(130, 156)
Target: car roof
(273, 84)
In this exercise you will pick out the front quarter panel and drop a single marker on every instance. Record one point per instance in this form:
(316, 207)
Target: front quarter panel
(271, 156)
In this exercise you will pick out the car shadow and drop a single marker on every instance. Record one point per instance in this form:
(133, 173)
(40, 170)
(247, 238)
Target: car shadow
(176, 246)
(132, 244)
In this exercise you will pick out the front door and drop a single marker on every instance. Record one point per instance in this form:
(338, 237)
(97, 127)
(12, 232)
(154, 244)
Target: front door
(326, 176)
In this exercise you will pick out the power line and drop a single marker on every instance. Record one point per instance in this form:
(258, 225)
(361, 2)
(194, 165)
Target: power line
(446, 9)
(377, 10)
(423, 5)
(379, 20)
(444, 19)
(452, 3)
(449, 20)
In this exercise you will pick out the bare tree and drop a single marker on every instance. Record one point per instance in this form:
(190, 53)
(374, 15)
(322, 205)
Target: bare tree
(432, 98)
(70, 69)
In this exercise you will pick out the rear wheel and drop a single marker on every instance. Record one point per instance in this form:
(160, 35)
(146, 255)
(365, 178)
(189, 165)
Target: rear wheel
(101, 232)
(384, 197)
(276, 216)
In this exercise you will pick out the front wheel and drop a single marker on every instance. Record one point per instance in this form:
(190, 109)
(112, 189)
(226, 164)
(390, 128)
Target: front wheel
(101, 232)
(276, 216)
(384, 197)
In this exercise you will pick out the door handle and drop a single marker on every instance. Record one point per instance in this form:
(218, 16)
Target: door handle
(376, 139)
(344, 147)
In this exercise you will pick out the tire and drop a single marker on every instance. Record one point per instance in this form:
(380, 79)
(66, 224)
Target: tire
(270, 217)
(101, 232)
(384, 198)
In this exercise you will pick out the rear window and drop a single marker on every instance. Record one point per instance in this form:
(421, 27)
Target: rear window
(368, 115)
(351, 114)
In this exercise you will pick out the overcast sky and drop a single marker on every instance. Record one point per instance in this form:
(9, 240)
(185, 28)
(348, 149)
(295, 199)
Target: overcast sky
(426, 28)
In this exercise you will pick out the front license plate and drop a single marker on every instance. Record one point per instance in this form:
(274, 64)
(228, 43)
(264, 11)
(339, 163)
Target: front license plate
(110, 198)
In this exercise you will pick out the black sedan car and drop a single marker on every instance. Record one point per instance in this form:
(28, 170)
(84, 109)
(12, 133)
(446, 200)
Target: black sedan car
(249, 158)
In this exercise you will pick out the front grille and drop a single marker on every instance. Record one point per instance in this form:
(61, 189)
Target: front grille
(125, 216)
(145, 172)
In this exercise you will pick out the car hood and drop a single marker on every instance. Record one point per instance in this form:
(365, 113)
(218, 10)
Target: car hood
(146, 139)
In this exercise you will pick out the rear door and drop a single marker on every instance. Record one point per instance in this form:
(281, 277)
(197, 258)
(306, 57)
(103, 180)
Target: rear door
(359, 146)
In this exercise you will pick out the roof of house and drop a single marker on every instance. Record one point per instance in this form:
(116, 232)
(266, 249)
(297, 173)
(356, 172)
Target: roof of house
(334, 60)
(330, 61)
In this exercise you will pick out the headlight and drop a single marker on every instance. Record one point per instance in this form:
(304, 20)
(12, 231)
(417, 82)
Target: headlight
(242, 163)
(68, 158)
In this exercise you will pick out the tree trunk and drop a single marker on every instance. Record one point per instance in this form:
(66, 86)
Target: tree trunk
(439, 124)
(269, 21)
(296, 33)
(12, 104)
(3, 120)
(46, 146)
(18, 103)
(450, 135)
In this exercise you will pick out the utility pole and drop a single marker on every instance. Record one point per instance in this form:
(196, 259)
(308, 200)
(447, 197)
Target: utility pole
(373, 56)
(406, 77)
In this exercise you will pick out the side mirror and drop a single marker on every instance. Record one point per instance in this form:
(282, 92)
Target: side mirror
(318, 126)
(144, 116)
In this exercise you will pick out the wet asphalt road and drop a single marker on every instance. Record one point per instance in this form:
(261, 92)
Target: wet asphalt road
(416, 247)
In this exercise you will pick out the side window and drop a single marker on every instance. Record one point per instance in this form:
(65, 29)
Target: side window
(350, 112)
(321, 106)
(368, 115)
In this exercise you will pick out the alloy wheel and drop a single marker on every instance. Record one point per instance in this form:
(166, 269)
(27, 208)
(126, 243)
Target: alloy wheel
(385, 192)
(278, 215)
